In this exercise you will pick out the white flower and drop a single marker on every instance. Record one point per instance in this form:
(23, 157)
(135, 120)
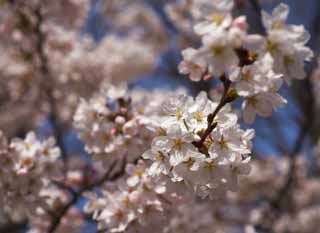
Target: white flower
(277, 19)
(218, 18)
(177, 144)
(227, 141)
(262, 104)
(116, 213)
(289, 55)
(220, 56)
(48, 151)
(175, 110)
(255, 78)
(192, 64)
(226, 118)
(286, 43)
(238, 32)
(26, 152)
(160, 162)
(198, 112)
(187, 171)
(211, 173)
(213, 14)
(135, 172)
(89, 114)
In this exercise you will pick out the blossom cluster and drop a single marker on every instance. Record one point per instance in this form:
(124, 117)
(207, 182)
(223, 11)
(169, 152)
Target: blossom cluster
(286, 44)
(112, 123)
(137, 203)
(255, 64)
(28, 166)
(209, 164)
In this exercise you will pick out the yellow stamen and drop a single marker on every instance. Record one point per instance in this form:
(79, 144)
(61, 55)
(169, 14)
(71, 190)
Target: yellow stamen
(198, 116)
(217, 19)
(252, 101)
(217, 51)
(178, 143)
(179, 114)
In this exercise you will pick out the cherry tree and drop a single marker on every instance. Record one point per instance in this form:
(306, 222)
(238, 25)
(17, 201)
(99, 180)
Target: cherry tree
(160, 160)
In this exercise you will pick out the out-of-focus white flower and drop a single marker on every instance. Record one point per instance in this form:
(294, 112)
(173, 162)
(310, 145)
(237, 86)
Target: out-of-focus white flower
(28, 166)
(218, 17)
(192, 64)
(286, 43)
(263, 104)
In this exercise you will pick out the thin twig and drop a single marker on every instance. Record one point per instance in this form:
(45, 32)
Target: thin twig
(75, 195)
(108, 176)
(211, 123)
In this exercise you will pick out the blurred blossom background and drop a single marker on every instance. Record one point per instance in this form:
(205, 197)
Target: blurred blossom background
(52, 52)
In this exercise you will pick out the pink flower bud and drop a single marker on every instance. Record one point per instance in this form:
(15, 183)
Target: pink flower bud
(241, 23)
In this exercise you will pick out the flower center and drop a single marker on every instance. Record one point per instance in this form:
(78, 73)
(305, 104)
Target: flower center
(189, 163)
(178, 143)
(247, 76)
(138, 173)
(272, 47)
(159, 156)
(179, 114)
(119, 214)
(217, 19)
(198, 116)
(223, 143)
(27, 162)
(210, 165)
(252, 101)
(278, 25)
(217, 51)
(288, 60)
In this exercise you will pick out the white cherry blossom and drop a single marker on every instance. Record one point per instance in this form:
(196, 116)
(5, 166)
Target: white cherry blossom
(220, 57)
(192, 64)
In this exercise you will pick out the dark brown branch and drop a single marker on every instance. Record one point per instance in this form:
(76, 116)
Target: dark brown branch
(226, 98)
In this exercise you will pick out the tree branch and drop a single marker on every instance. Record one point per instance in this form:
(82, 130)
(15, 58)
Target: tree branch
(211, 123)
(76, 195)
